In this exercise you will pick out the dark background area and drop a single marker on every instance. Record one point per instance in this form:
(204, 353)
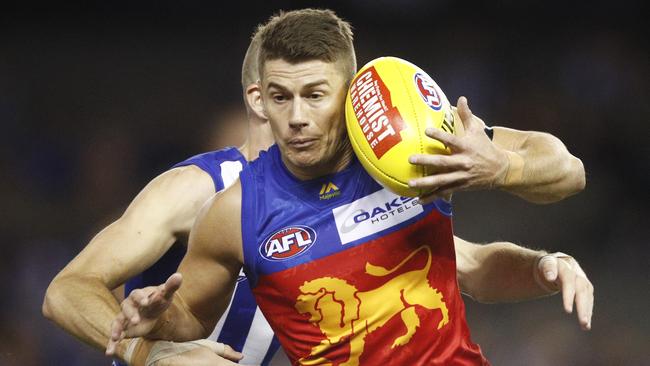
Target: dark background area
(98, 98)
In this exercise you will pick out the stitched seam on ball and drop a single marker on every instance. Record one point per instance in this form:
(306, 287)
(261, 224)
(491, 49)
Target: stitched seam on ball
(417, 121)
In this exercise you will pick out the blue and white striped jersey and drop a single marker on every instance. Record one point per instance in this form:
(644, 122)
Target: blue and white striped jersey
(243, 327)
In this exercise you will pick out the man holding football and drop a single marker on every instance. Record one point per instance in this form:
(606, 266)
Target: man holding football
(327, 295)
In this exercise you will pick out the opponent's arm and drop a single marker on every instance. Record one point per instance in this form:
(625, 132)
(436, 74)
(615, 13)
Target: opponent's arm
(540, 168)
(79, 298)
(208, 271)
(505, 272)
(533, 165)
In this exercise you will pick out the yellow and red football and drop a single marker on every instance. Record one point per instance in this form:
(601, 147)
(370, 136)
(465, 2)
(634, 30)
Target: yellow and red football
(389, 105)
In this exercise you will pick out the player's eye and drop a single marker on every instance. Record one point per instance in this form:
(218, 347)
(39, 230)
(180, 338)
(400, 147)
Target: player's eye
(315, 96)
(279, 98)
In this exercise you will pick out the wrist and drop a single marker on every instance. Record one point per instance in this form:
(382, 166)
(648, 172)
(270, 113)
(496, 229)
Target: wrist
(137, 350)
(122, 349)
(541, 282)
(549, 287)
(515, 169)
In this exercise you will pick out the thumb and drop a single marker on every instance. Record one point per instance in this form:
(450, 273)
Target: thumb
(231, 354)
(172, 284)
(549, 267)
(220, 349)
(465, 114)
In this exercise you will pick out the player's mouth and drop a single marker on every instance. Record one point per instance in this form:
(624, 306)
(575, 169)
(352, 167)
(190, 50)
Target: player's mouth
(302, 143)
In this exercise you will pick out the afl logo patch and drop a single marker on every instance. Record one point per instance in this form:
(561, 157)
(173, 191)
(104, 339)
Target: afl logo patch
(428, 91)
(288, 243)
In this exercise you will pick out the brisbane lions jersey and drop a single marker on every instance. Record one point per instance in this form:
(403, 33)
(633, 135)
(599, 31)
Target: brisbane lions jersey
(242, 326)
(348, 273)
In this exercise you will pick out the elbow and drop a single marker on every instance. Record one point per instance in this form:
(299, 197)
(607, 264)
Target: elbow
(49, 301)
(572, 172)
(579, 178)
(56, 299)
(574, 179)
(571, 181)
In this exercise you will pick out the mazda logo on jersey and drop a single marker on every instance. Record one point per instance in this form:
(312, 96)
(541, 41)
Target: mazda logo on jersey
(288, 242)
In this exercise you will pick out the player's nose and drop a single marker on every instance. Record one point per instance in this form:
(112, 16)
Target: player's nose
(298, 119)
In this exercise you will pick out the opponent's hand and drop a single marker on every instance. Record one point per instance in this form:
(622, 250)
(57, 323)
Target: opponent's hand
(197, 357)
(141, 310)
(561, 272)
(474, 163)
(207, 353)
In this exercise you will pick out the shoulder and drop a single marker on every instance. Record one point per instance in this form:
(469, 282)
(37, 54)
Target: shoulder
(225, 154)
(173, 198)
(223, 166)
(187, 181)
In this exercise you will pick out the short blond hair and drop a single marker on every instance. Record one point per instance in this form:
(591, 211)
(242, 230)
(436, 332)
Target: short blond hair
(250, 72)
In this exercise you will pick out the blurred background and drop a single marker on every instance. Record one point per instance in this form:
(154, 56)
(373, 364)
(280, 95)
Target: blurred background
(98, 98)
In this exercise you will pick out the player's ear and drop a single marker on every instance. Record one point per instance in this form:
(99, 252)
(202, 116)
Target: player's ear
(254, 100)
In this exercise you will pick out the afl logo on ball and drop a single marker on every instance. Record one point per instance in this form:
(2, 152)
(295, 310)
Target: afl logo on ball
(428, 91)
(288, 243)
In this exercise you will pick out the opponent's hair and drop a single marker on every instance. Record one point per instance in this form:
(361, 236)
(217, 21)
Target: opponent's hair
(308, 34)
(249, 71)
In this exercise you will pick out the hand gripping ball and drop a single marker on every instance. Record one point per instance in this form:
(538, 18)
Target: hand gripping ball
(389, 105)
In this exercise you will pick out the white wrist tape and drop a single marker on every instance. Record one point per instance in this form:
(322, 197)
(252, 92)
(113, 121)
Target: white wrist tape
(130, 348)
(539, 264)
(165, 349)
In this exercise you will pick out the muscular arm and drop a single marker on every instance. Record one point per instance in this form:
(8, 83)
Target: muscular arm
(497, 272)
(540, 168)
(79, 298)
(505, 272)
(209, 270)
(533, 165)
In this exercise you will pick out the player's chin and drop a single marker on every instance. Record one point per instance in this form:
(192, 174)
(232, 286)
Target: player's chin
(305, 158)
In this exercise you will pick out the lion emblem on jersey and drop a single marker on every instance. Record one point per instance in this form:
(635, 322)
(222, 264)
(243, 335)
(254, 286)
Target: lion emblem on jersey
(343, 313)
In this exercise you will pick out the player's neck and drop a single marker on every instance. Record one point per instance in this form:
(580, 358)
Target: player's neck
(335, 164)
(259, 138)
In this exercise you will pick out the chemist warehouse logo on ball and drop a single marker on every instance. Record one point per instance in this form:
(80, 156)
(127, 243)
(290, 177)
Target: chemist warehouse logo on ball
(288, 243)
(372, 214)
(379, 120)
(428, 92)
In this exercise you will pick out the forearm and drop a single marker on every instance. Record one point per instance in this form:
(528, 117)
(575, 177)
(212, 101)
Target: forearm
(541, 169)
(83, 307)
(503, 272)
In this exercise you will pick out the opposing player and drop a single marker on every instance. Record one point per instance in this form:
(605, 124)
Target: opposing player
(333, 278)
(154, 229)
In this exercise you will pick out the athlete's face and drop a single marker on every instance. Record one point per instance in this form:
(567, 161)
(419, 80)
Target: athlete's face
(304, 103)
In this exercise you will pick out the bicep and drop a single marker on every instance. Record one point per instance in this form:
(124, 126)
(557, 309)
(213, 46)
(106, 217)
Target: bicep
(145, 231)
(213, 260)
